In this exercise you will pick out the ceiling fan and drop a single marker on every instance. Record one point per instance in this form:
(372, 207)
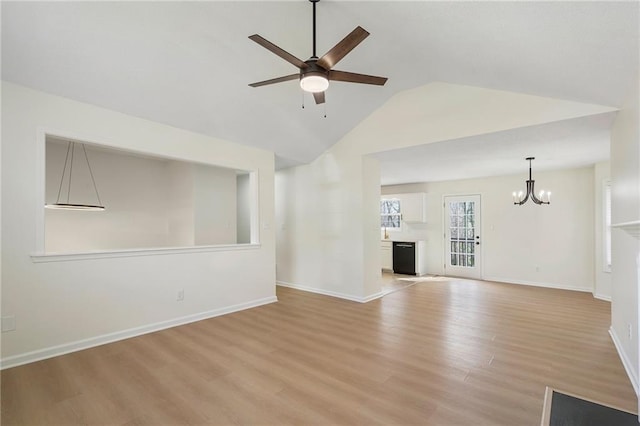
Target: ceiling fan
(315, 73)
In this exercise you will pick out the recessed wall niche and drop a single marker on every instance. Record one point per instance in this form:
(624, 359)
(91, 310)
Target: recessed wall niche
(150, 202)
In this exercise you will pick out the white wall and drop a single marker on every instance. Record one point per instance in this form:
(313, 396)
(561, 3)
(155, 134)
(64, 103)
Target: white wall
(550, 245)
(65, 305)
(215, 205)
(180, 218)
(602, 287)
(625, 207)
(327, 211)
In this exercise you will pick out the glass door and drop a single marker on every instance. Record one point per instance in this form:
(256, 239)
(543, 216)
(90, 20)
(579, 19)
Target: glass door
(463, 257)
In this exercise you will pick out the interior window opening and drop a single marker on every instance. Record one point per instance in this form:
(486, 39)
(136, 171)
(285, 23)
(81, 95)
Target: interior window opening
(105, 199)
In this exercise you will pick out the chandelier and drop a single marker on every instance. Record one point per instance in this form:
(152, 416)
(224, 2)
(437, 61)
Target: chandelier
(520, 198)
(67, 204)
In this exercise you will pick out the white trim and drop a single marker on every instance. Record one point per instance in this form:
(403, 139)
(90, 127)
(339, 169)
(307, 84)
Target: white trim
(254, 207)
(53, 351)
(538, 284)
(373, 296)
(604, 297)
(40, 189)
(606, 226)
(625, 361)
(64, 257)
(633, 227)
(332, 293)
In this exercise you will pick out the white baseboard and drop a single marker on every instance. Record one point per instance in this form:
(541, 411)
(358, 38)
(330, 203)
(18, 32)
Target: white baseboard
(331, 293)
(626, 362)
(537, 284)
(602, 297)
(50, 352)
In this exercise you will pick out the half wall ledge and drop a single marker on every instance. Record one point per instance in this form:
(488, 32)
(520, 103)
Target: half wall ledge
(632, 228)
(65, 257)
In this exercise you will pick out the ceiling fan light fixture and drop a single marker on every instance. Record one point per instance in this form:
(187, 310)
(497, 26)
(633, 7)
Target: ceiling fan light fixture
(314, 82)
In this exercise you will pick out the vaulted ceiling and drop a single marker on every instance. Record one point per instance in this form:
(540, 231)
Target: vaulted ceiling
(188, 64)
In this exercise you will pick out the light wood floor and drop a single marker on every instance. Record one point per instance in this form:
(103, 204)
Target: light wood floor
(435, 353)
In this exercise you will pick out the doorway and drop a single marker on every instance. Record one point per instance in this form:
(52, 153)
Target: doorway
(462, 249)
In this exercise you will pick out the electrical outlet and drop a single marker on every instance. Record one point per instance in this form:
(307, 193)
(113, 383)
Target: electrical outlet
(630, 330)
(180, 295)
(8, 323)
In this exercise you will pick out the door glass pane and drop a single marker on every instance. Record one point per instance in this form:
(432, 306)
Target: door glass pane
(454, 233)
(462, 233)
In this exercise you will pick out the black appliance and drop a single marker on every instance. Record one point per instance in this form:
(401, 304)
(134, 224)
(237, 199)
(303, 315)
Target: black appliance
(404, 258)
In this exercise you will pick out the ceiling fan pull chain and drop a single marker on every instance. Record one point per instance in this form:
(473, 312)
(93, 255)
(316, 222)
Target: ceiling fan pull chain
(302, 99)
(325, 110)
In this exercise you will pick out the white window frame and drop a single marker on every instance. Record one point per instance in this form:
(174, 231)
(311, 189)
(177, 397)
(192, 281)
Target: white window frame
(399, 228)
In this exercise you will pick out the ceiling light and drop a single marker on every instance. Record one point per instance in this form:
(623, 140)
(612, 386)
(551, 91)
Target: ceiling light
(520, 197)
(314, 82)
(82, 207)
(68, 160)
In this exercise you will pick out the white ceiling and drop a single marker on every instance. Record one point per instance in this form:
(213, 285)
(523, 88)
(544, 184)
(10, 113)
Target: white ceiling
(571, 143)
(187, 64)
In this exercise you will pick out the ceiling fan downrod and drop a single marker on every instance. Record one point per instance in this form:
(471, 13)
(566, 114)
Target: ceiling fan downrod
(314, 27)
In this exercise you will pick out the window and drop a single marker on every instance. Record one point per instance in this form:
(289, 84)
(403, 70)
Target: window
(606, 218)
(390, 213)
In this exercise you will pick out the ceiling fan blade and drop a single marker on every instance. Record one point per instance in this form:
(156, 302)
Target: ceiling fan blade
(341, 49)
(278, 51)
(319, 97)
(351, 77)
(276, 80)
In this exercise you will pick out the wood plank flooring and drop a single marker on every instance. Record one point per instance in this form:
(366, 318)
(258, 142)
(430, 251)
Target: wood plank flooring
(456, 352)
